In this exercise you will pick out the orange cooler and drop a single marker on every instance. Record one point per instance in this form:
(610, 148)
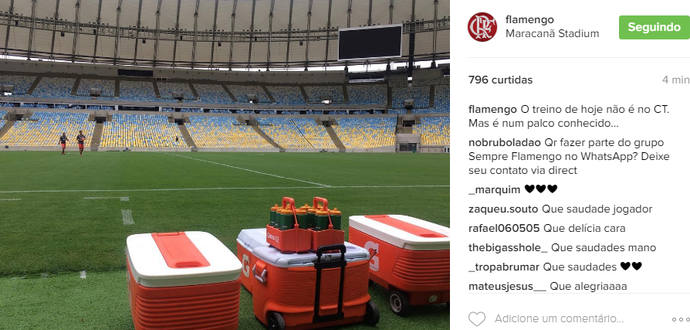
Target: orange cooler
(309, 290)
(247, 241)
(410, 257)
(183, 280)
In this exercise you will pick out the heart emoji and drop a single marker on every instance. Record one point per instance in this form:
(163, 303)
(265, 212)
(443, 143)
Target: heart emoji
(477, 318)
(637, 265)
(625, 265)
(529, 188)
(541, 188)
(552, 188)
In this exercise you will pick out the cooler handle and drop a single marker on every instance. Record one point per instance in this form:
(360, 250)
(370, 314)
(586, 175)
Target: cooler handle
(292, 207)
(323, 201)
(324, 208)
(319, 267)
(262, 269)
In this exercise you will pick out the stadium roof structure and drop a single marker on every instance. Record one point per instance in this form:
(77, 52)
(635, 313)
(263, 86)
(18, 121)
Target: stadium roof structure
(213, 33)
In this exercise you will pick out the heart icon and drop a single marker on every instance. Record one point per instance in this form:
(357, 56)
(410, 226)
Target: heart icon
(552, 188)
(529, 188)
(541, 188)
(477, 318)
(625, 265)
(637, 265)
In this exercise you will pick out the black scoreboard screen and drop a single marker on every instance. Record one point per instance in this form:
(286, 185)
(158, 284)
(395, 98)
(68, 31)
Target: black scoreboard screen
(381, 41)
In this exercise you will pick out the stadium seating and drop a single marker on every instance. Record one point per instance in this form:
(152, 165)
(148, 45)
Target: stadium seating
(141, 131)
(434, 130)
(211, 93)
(296, 132)
(193, 110)
(21, 83)
(223, 132)
(219, 111)
(45, 128)
(240, 92)
(287, 95)
(2, 118)
(52, 87)
(314, 93)
(140, 91)
(366, 132)
(107, 87)
(420, 95)
(367, 94)
(166, 90)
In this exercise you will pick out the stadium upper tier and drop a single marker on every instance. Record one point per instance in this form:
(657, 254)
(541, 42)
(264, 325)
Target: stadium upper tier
(141, 131)
(43, 129)
(434, 130)
(431, 95)
(366, 132)
(224, 132)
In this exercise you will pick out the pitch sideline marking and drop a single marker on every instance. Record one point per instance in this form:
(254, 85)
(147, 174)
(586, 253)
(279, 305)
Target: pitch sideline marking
(214, 188)
(122, 199)
(127, 217)
(252, 171)
(10, 199)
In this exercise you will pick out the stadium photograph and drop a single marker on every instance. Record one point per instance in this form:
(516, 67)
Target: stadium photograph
(224, 164)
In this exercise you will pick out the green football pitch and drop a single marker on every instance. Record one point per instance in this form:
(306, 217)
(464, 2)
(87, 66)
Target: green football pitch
(64, 219)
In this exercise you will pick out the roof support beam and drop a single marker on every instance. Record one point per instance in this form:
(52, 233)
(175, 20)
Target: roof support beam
(433, 56)
(306, 51)
(116, 55)
(251, 35)
(196, 28)
(98, 21)
(158, 34)
(232, 33)
(177, 33)
(370, 7)
(328, 35)
(32, 29)
(215, 29)
(289, 36)
(75, 40)
(55, 19)
(391, 7)
(270, 35)
(349, 12)
(7, 34)
(136, 39)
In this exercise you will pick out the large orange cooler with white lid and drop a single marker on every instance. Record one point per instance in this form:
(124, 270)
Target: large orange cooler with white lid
(247, 241)
(410, 258)
(182, 280)
(308, 290)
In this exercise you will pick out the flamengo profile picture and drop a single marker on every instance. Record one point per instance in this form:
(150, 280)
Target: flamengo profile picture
(482, 27)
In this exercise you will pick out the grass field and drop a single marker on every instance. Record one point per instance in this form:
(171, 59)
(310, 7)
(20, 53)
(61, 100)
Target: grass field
(54, 222)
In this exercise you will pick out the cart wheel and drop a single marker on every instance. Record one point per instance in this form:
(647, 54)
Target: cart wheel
(275, 321)
(372, 316)
(399, 303)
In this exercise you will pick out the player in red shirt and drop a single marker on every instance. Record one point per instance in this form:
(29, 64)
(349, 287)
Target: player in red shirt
(63, 142)
(80, 139)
